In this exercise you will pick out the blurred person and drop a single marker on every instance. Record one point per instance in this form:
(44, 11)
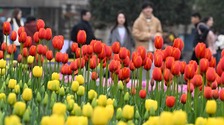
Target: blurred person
(211, 37)
(1, 33)
(121, 33)
(16, 22)
(30, 26)
(220, 45)
(201, 32)
(146, 27)
(83, 25)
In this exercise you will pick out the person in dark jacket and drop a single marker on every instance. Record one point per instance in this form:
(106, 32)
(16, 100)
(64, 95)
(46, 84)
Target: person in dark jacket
(120, 33)
(83, 25)
(1, 33)
(30, 25)
(201, 32)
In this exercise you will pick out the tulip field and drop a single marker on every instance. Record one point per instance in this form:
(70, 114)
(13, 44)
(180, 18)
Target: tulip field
(104, 85)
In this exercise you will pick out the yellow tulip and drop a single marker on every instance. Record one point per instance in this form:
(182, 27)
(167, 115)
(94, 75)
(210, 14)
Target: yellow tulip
(12, 83)
(211, 107)
(200, 121)
(151, 104)
(69, 97)
(11, 98)
(17, 89)
(102, 100)
(2, 63)
(80, 79)
(2, 71)
(128, 112)
(179, 117)
(92, 94)
(76, 110)
(59, 109)
(57, 120)
(153, 120)
(27, 94)
(81, 91)
(62, 91)
(75, 86)
(70, 104)
(19, 108)
(37, 71)
(215, 121)
(55, 76)
(45, 120)
(165, 118)
(2, 96)
(77, 119)
(121, 123)
(12, 120)
(110, 101)
(100, 116)
(110, 110)
(30, 59)
(87, 110)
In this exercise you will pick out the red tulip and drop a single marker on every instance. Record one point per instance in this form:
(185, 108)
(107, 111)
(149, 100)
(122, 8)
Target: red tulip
(168, 51)
(58, 42)
(58, 57)
(25, 52)
(126, 61)
(189, 71)
(218, 80)
(36, 37)
(41, 33)
(197, 80)
(148, 64)
(212, 62)
(214, 85)
(1, 54)
(178, 43)
(115, 47)
(19, 58)
(74, 46)
(49, 55)
(92, 63)
(64, 58)
(40, 48)
(22, 37)
(195, 64)
(203, 64)
(219, 69)
(142, 94)
(113, 66)
(221, 94)
(211, 74)
(159, 52)
(80, 62)
(157, 74)
(142, 51)
(94, 76)
(167, 75)
(208, 54)
(81, 37)
(11, 49)
(102, 55)
(134, 55)
(6, 28)
(158, 42)
(20, 30)
(175, 69)
(74, 65)
(208, 92)
(123, 53)
(97, 47)
(48, 34)
(170, 101)
(84, 50)
(40, 24)
(169, 62)
(131, 66)
(150, 55)
(183, 98)
(66, 70)
(200, 50)
(137, 62)
(215, 94)
(33, 50)
(222, 53)
(176, 53)
(158, 60)
(124, 73)
(28, 42)
(108, 52)
(182, 66)
(13, 35)
(4, 46)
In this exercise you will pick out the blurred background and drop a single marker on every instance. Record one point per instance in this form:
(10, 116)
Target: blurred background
(62, 15)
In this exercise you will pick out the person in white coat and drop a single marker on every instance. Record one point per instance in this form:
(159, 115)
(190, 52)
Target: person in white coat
(220, 45)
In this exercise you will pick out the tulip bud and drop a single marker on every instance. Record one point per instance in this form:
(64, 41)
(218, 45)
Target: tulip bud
(119, 114)
(94, 102)
(92, 94)
(137, 115)
(146, 115)
(70, 104)
(19, 108)
(87, 110)
(37, 71)
(128, 112)
(81, 91)
(102, 100)
(27, 94)
(12, 83)
(126, 96)
(142, 94)
(151, 105)
(183, 98)
(17, 89)
(120, 85)
(76, 110)
(75, 86)
(62, 91)
(30, 59)
(45, 100)
(170, 101)
(38, 97)
(221, 94)
(11, 98)
(26, 116)
(80, 79)
(2, 96)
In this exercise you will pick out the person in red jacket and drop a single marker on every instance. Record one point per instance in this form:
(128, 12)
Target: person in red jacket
(30, 26)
